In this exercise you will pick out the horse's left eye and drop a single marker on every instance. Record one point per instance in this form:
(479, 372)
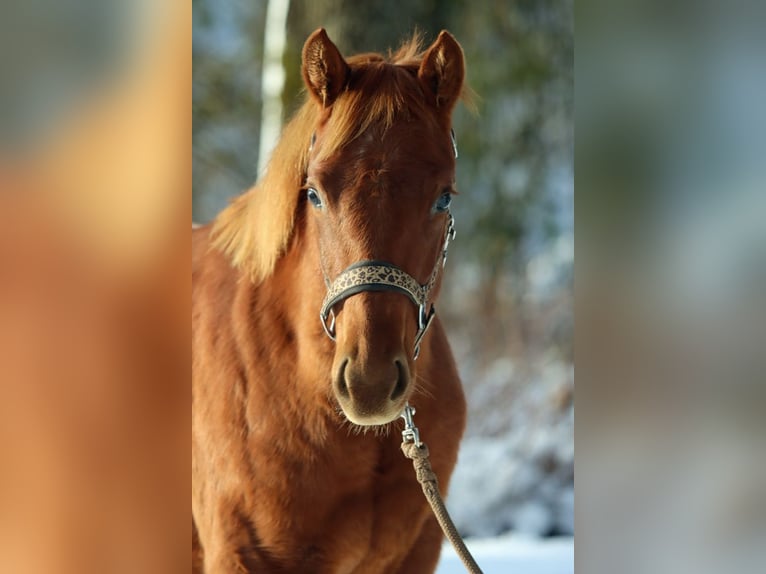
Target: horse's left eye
(313, 197)
(442, 204)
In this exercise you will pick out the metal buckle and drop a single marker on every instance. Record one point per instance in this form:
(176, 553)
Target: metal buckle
(454, 142)
(450, 236)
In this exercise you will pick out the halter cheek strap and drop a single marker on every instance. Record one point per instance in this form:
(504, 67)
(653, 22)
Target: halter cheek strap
(383, 276)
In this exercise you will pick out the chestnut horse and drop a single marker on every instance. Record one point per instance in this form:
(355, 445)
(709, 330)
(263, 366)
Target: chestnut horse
(295, 465)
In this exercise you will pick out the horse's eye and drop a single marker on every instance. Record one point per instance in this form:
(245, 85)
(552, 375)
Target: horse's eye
(313, 197)
(442, 204)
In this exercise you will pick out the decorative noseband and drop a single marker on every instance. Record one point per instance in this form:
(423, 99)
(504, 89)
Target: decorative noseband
(384, 276)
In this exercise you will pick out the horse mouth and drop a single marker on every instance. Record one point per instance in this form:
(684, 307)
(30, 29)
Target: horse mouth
(369, 420)
(366, 418)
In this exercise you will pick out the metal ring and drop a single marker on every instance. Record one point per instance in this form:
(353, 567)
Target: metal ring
(330, 330)
(422, 317)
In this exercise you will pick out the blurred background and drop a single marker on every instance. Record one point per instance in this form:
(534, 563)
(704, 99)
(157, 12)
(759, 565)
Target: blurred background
(95, 173)
(507, 297)
(671, 286)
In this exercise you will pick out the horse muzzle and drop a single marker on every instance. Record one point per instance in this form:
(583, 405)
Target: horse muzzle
(371, 391)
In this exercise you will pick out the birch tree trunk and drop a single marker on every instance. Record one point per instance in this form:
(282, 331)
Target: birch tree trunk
(272, 85)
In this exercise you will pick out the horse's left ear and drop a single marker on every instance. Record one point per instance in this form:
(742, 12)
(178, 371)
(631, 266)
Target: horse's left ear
(443, 70)
(325, 72)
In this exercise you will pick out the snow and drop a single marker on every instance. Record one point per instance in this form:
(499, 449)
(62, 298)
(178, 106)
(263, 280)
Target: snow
(522, 478)
(513, 553)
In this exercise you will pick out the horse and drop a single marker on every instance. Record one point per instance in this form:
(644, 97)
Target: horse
(311, 296)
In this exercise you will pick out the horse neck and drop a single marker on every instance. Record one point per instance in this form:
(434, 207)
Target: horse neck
(284, 327)
(296, 288)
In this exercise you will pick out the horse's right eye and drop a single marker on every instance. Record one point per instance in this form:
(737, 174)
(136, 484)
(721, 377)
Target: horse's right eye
(313, 197)
(442, 204)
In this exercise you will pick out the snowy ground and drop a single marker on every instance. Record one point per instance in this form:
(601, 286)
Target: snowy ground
(517, 473)
(511, 554)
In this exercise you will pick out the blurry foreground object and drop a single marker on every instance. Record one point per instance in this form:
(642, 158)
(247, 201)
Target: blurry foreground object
(671, 285)
(94, 410)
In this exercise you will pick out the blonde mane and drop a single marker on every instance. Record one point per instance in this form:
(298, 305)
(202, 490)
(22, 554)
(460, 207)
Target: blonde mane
(255, 229)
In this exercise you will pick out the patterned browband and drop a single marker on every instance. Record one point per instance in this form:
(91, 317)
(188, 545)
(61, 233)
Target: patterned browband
(383, 276)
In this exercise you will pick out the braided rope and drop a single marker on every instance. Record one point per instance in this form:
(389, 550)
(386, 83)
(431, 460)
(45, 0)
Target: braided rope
(427, 479)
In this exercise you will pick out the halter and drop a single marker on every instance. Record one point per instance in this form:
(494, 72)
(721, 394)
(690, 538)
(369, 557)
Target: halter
(375, 275)
(383, 276)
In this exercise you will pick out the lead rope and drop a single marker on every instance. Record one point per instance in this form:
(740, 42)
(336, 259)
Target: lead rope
(416, 450)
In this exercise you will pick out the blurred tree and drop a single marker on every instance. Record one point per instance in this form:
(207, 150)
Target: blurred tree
(515, 158)
(227, 55)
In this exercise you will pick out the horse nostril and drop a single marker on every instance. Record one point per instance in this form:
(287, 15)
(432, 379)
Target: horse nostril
(401, 381)
(341, 383)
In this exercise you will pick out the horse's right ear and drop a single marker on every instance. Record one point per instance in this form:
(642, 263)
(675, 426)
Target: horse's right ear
(324, 69)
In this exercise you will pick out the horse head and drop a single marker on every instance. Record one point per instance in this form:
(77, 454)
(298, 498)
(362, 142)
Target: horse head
(380, 176)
